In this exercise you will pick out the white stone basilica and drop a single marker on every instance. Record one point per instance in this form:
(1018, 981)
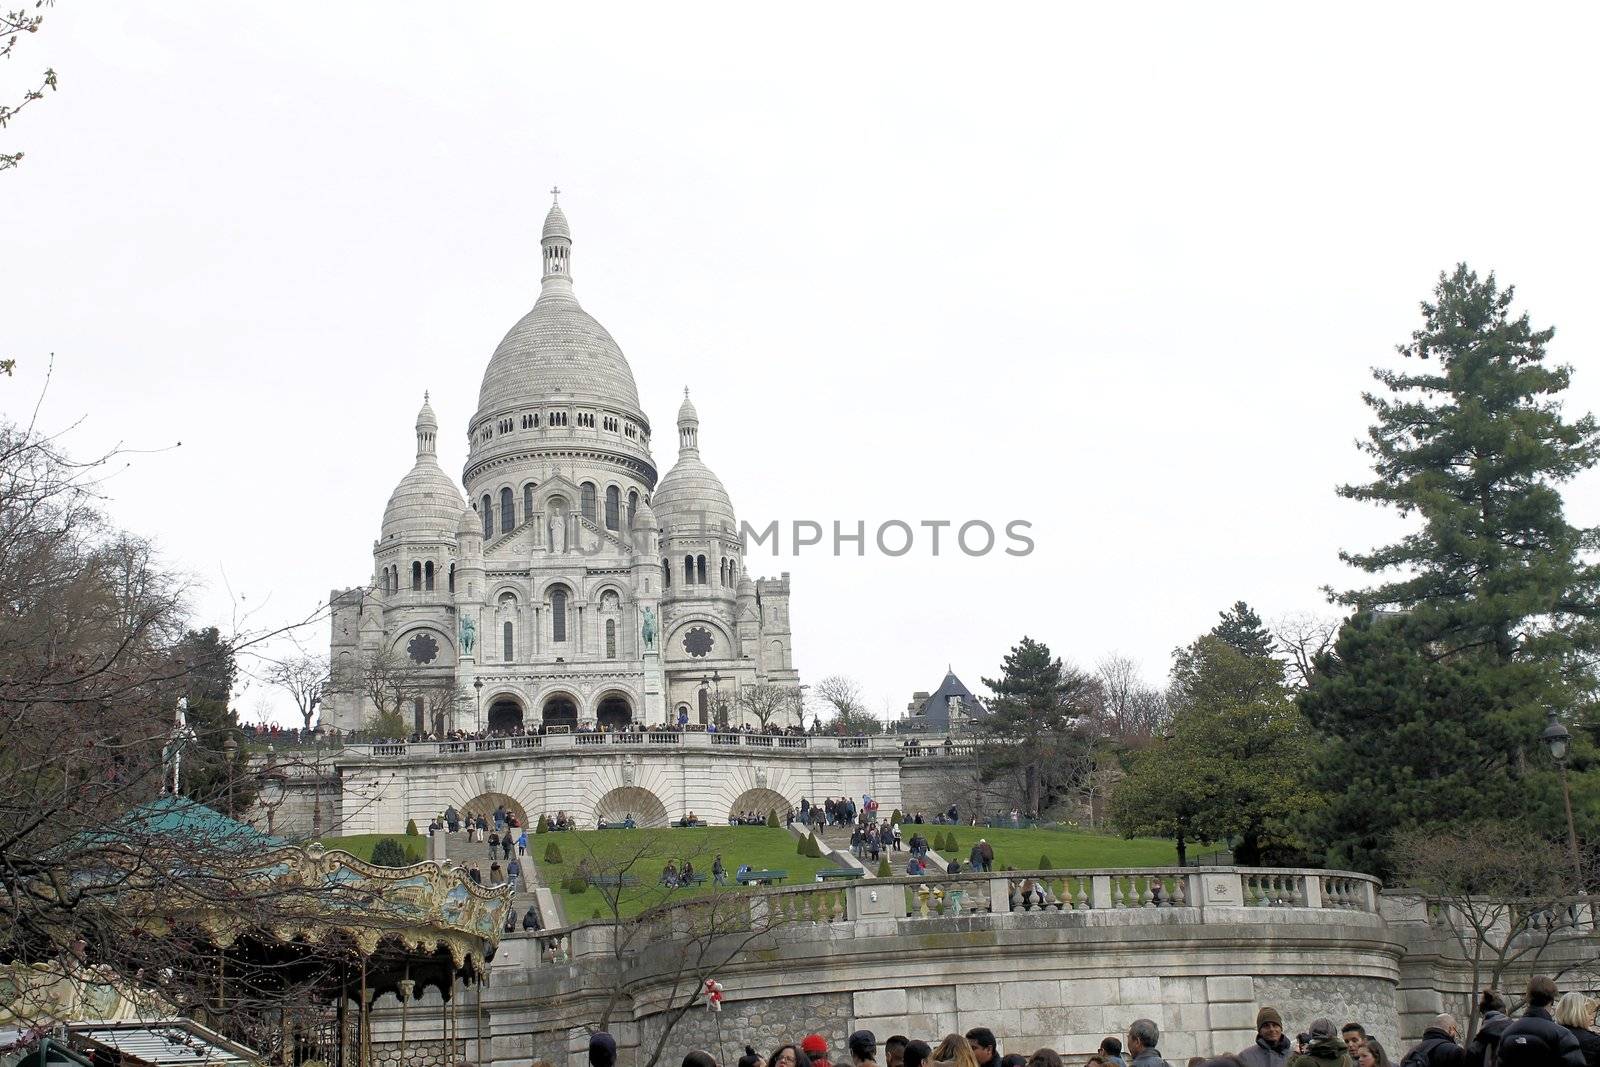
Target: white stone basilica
(570, 586)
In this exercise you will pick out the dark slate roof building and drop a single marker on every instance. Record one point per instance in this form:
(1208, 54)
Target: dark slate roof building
(951, 706)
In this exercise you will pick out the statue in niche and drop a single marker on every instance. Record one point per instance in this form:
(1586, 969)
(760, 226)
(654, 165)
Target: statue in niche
(649, 628)
(469, 634)
(558, 533)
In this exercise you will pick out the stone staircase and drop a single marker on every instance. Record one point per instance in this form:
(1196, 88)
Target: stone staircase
(458, 849)
(836, 840)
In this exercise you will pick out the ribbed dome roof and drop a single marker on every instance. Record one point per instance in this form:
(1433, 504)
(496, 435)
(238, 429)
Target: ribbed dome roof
(691, 496)
(557, 349)
(426, 503)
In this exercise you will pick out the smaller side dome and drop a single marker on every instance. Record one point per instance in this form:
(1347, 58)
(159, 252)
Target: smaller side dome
(426, 503)
(470, 523)
(644, 517)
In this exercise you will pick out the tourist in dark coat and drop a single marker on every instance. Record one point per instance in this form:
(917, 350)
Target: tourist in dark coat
(1536, 1039)
(1323, 1047)
(1439, 1046)
(1271, 1048)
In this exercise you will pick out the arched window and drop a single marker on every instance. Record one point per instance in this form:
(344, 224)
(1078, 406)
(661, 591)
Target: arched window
(427, 576)
(508, 650)
(701, 566)
(527, 501)
(558, 615)
(508, 511)
(688, 570)
(611, 639)
(386, 581)
(488, 519)
(633, 505)
(613, 506)
(666, 575)
(586, 500)
(452, 576)
(722, 571)
(416, 576)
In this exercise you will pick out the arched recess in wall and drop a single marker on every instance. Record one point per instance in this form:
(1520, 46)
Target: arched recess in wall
(645, 807)
(760, 801)
(485, 804)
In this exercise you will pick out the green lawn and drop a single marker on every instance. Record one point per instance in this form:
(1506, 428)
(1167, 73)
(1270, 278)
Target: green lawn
(360, 845)
(1023, 849)
(643, 853)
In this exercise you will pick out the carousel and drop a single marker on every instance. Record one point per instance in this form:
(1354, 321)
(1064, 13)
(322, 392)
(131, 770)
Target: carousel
(280, 949)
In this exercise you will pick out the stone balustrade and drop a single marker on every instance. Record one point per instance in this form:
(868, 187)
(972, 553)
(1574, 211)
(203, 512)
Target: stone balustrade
(1165, 895)
(696, 740)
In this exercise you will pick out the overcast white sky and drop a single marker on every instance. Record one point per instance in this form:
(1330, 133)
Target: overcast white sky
(1120, 273)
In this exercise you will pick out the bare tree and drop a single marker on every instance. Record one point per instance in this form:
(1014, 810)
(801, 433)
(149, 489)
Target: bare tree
(13, 24)
(693, 932)
(93, 875)
(302, 676)
(764, 702)
(392, 684)
(1503, 897)
(850, 712)
(1133, 711)
(1301, 638)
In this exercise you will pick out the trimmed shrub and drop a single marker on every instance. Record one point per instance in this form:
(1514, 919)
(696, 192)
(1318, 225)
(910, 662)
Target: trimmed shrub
(390, 853)
(896, 818)
(411, 828)
(543, 827)
(817, 851)
(552, 853)
(802, 847)
(576, 884)
(884, 870)
(772, 820)
(1045, 864)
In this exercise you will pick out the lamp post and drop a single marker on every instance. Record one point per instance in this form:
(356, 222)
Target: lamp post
(270, 791)
(477, 716)
(1558, 740)
(230, 754)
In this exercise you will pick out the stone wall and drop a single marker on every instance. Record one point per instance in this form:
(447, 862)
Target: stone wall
(764, 1024)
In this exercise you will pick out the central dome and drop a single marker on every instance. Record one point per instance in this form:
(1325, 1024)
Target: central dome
(557, 350)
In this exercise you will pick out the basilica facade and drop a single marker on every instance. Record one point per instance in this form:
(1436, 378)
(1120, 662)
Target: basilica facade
(570, 585)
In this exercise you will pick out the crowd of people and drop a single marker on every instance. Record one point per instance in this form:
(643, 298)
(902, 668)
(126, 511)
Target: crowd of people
(1553, 1030)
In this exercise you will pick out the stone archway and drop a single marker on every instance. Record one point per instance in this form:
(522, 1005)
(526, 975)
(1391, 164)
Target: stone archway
(560, 710)
(485, 803)
(645, 807)
(505, 714)
(760, 801)
(614, 710)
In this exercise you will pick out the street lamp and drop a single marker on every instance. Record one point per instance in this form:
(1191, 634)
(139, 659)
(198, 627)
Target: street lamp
(1558, 740)
(477, 717)
(230, 754)
(270, 791)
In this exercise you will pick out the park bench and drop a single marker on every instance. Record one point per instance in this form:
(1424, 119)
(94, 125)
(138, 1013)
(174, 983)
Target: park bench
(761, 877)
(612, 881)
(682, 823)
(830, 874)
(615, 826)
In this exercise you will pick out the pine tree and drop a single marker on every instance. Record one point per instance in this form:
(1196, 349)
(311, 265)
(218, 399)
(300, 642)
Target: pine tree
(1241, 627)
(1473, 444)
(1436, 690)
(389, 852)
(1033, 727)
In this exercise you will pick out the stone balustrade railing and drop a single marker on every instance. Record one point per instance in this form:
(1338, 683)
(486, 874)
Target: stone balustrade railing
(856, 746)
(1166, 894)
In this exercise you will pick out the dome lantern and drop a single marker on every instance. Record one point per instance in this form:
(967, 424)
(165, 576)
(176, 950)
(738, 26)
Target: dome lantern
(427, 429)
(556, 240)
(688, 425)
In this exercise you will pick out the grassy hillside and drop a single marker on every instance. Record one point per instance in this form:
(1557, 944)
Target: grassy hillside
(1023, 849)
(642, 854)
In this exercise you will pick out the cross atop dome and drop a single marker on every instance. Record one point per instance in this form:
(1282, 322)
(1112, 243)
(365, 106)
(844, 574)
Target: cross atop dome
(555, 194)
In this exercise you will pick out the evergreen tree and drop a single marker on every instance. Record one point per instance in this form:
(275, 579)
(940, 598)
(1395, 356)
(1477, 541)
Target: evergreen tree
(1034, 725)
(1238, 762)
(1436, 690)
(1473, 444)
(207, 678)
(1241, 627)
(389, 852)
